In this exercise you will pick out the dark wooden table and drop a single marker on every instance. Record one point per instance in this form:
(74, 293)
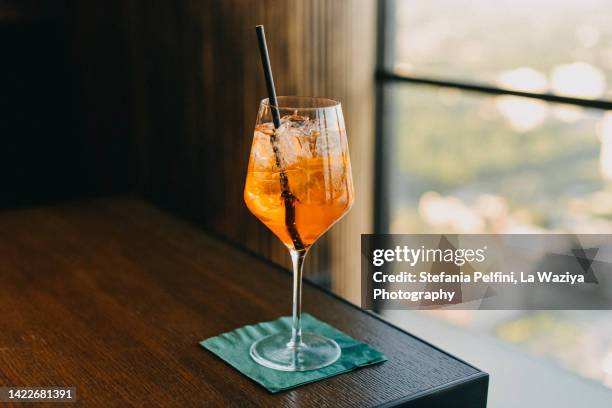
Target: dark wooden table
(112, 296)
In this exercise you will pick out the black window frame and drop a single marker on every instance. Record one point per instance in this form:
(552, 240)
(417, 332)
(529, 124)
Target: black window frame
(385, 74)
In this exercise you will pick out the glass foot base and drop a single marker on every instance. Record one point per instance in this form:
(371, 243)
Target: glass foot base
(314, 352)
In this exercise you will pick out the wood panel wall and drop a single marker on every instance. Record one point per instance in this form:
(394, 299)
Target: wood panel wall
(168, 93)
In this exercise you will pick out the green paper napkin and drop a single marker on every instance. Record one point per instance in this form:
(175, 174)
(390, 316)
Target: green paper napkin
(233, 347)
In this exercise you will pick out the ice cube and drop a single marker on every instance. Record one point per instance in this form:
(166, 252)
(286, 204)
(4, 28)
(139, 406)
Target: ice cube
(261, 150)
(298, 125)
(328, 143)
(296, 138)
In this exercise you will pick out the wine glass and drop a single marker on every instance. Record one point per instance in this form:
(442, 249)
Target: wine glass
(298, 184)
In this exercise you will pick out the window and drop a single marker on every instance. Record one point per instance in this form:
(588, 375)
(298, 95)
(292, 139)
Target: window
(496, 117)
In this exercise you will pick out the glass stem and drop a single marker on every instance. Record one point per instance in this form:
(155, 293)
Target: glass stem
(297, 256)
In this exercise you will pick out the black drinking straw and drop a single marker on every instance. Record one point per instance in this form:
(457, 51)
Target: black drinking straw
(265, 61)
(288, 197)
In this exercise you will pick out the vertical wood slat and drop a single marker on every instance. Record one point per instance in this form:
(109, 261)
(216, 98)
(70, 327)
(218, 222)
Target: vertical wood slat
(195, 85)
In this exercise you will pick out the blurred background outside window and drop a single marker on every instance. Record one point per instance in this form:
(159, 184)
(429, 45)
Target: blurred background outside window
(463, 161)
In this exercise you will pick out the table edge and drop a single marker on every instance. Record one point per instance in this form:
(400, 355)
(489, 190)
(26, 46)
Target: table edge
(470, 380)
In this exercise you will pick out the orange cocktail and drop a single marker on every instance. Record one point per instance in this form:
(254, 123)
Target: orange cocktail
(318, 172)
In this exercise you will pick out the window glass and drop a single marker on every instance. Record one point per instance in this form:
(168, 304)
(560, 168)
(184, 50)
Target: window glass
(465, 162)
(471, 163)
(559, 46)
